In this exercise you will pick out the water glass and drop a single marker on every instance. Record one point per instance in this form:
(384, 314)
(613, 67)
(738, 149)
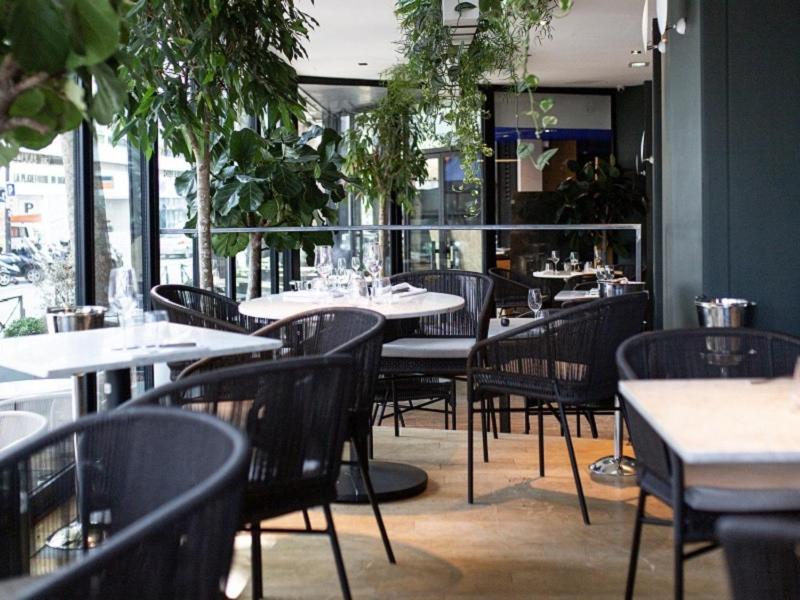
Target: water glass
(548, 267)
(323, 262)
(155, 328)
(535, 301)
(122, 291)
(382, 290)
(358, 288)
(374, 260)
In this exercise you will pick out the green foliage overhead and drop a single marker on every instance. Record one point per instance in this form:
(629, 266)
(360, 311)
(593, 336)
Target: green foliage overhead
(47, 45)
(280, 179)
(25, 326)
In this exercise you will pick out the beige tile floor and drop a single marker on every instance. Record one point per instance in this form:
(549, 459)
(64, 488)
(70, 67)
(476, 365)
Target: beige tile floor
(523, 538)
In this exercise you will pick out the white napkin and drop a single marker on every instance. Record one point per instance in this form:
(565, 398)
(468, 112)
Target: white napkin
(406, 290)
(594, 292)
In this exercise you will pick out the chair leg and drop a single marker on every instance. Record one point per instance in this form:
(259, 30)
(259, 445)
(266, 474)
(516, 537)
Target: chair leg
(592, 423)
(527, 414)
(540, 425)
(396, 410)
(574, 464)
(678, 553)
(337, 553)
(484, 433)
(382, 415)
(637, 538)
(255, 559)
(454, 400)
(446, 413)
(578, 423)
(469, 446)
(364, 468)
(306, 520)
(493, 414)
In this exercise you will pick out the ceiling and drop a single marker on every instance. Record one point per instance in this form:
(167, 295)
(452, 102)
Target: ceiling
(590, 46)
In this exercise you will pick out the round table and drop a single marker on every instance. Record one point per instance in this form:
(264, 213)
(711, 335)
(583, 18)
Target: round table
(281, 306)
(563, 275)
(390, 480)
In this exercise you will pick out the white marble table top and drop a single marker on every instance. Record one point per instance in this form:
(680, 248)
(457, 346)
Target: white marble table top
(495, 328)
(722, 421)
(573, 295)
(74, 353)
(276, 307)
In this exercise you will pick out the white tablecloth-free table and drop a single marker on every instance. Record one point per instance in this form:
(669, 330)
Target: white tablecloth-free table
(740, 433)
(276, 306)
(575, 295)
(76, 353)
(563, 274)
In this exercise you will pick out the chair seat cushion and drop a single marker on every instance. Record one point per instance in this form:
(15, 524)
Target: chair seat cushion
(428, 348)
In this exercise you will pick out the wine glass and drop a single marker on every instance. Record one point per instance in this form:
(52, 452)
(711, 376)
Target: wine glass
(574, 260)
(122, 290)
(374, 260)
(555, 256)
(355, 262)
(535, 301)
(323, 262)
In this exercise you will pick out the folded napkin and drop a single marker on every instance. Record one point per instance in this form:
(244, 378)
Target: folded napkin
(594, 292)
(405, 290)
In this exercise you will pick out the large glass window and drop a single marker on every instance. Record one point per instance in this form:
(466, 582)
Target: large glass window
(37, 265)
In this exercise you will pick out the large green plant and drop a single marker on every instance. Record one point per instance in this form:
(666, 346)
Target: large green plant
(384, 157)
(195, 65)
(280, 179)
(46, 46)
(599, 192)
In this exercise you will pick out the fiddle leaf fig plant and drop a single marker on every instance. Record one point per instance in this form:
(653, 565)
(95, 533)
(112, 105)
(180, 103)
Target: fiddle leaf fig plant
(278, 179)
(46, 47)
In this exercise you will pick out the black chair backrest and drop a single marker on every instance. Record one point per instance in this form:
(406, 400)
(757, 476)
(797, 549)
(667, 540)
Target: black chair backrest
(352, 331)
(761, 553)
(508, 288)
(470, 321)
(161, 515)
(706, 353)
(292, 410)
(201, 308)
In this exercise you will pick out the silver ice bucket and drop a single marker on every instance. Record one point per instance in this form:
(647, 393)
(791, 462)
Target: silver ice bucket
(75, 318)
(724, 312)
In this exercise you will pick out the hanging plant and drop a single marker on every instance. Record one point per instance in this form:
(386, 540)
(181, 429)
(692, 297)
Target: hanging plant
(451, 70)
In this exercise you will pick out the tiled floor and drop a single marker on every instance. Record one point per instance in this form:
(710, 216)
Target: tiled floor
(523, 538)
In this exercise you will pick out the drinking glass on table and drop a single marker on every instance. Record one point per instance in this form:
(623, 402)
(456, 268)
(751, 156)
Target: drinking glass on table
(122, 297)
(342, 273)
(155, 328)
(355, 262)
(373, 260)
(555, 256)
(574, 260)
(535, 301)
(323, 262)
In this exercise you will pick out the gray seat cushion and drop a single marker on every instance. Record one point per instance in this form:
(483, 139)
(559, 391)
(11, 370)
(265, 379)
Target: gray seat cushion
(723, 500)
(423, 347)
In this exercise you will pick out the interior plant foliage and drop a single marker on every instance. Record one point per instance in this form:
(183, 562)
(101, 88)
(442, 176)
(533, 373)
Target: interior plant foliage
(193, 66)
(25, 326)
(599, 191)
(278, 179)
(47, 45)
(451, 74)
(384, 156)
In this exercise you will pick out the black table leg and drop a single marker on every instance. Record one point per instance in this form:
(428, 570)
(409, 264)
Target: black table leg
(119, 381)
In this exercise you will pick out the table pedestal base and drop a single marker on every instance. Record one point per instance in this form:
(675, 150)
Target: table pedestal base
(613, 467)
(392, 481)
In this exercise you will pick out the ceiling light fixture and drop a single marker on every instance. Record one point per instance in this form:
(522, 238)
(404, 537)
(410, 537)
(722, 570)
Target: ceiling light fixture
(636, 51)
(362, 64)
(638, 64)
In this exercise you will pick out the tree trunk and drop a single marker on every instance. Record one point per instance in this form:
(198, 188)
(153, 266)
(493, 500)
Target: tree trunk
(254, 275)
(203, 167)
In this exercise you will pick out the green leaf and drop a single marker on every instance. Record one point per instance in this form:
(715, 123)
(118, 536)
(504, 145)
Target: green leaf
(28, 104)
(8, 151)
(110, 94)
(546, 104)
(95, 32)
(524, 149)
(225, 198)
(549, 121)
(250, 196)
(75, 94)
(39, 36)
(541, 161)
(229, 244)
(186, 183)
(244, 145)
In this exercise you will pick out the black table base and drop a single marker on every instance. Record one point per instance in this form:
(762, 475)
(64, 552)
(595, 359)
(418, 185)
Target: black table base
(392, 481)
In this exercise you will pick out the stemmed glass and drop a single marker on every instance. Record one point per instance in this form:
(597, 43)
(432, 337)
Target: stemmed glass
(122, 296)
(323, 262)
(342, 274)
(374, 261)
(555, 256)
(355, 262)
(535, 301)
(574, 260)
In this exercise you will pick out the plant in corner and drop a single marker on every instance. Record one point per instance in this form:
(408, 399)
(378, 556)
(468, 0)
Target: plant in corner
(194, 66)
(278, 179)
(46, 46)
(599, 192)
(25, 326)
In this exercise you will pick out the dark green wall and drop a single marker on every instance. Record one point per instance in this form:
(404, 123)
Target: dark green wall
(732, 135)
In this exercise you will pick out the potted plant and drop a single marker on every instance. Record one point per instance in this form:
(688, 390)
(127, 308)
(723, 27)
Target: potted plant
(25, 326)
(278, 179)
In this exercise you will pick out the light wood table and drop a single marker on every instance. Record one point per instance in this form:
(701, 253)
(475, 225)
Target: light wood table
(728, 432)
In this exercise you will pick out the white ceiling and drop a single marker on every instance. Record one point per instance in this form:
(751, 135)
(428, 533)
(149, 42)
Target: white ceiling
(590, 46)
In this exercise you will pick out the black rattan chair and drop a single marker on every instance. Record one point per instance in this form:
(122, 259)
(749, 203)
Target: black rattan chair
(295, 413)
(703, 353)
(437, 345)
(202, 308)
(761, 553)
(352, 331)
(566, 359)
(156, 495)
